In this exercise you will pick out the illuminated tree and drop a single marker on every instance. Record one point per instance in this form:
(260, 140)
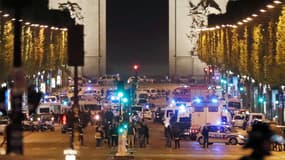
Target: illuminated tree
(243, 52)
(280, 36)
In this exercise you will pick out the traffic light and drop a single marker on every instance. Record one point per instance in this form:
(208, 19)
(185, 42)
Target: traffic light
(125, 100)
(136, 67)
(120, 94)
(224, 81)
(261, 99)
(122, 128)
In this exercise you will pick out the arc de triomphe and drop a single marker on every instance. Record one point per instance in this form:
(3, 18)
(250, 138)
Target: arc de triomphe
(185, 17)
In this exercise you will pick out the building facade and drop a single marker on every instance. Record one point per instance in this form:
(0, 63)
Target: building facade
(185, 18)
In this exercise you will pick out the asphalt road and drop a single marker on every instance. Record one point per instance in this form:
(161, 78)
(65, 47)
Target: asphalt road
(50, 146)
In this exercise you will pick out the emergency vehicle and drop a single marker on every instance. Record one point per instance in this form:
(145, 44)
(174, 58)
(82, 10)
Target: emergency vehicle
(207, 111)
(187, 93)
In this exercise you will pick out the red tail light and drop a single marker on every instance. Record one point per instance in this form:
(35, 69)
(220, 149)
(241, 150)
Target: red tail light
(64, 119)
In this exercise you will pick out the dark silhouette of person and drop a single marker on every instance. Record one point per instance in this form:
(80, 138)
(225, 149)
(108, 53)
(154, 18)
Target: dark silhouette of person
(176, 136)
(142, 133)
(205, 133)
(146, 133)
(168, 135)
(259, 141)
(114, 135)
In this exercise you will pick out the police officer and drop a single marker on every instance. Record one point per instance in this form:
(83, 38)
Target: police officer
(205, 133)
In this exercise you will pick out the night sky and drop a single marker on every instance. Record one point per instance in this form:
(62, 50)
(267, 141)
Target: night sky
(137, 33)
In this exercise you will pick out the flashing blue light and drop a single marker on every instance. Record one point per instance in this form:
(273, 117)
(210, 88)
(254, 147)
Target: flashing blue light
(125, 126)
(197, 100)
(218, 122)
(182, 108)
(261, 99)
(88, 89)
(147, 106)
(113, 98)
(173, 101)
(214, 100)
(120, 94)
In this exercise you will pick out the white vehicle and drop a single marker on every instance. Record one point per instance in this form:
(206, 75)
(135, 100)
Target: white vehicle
(95, 109)
(180, 113)
(152, 92)
(251, 117)
(47, 108)
(207, 111)
(90, 94)
(222, 134)
(147, 114)
(141, 97)
(238, 120)
(109, 80)
(132, 79)
(137, 110)
(50, 99)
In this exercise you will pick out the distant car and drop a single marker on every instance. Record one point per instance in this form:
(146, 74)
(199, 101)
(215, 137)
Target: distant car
(147, 114)
(152, 93)
(238, 120)
(222, 134)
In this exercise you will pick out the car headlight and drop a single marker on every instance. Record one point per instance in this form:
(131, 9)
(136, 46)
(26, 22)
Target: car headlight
(97, 117)
(241, 136)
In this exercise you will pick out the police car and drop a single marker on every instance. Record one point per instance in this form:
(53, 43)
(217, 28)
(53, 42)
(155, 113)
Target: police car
(222, 134)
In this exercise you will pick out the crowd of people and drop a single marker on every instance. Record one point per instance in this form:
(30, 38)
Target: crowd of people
(108, 132)
(172, 133)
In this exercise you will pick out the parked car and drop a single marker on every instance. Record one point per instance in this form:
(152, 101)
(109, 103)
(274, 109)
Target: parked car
(239, 120)
(222, 134)
(147, 114)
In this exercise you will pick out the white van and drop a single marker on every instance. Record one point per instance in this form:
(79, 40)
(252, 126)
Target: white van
(141, 97)
(238, 120)
(47, 108)
(251, 117)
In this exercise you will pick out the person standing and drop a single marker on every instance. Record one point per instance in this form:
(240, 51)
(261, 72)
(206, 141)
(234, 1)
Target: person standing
(141, 131)
(176, 136)
(131, 135)
(168, 135)
(146, 131)
(114, 135)
(205, 133)
(98, 135)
